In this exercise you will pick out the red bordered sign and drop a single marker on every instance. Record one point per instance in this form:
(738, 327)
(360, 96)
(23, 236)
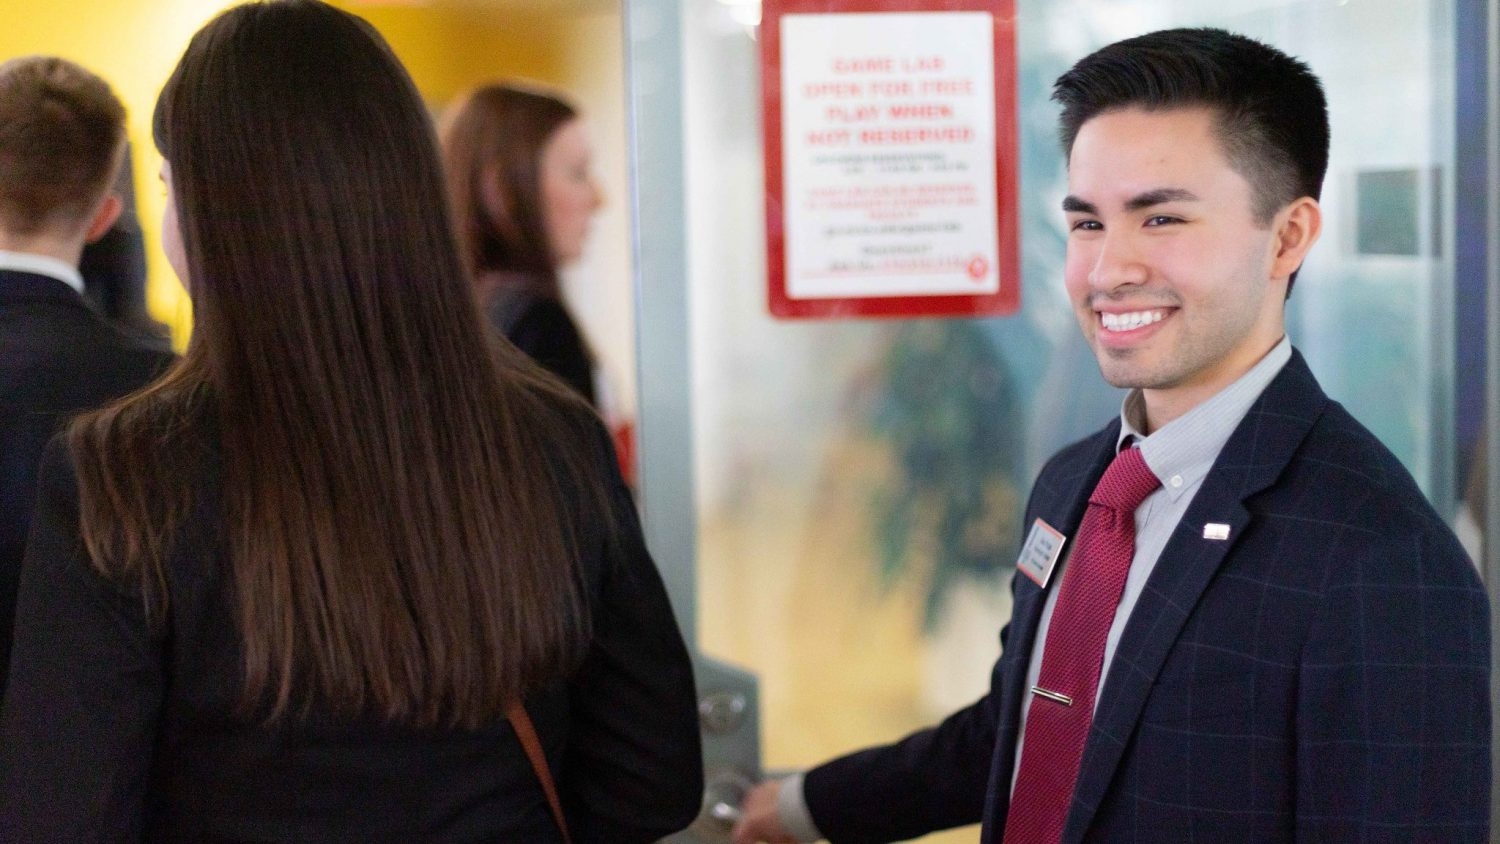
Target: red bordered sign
(891, 157)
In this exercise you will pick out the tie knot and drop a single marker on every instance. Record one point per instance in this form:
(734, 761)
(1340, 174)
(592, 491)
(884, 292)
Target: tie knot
(1126, 482)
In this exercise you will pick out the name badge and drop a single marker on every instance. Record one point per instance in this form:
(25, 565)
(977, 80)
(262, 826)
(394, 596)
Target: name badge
(1040, 553)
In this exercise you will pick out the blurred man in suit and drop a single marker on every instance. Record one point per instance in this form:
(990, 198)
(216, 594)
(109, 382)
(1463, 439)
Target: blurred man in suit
(62, 137)
(1237, 618)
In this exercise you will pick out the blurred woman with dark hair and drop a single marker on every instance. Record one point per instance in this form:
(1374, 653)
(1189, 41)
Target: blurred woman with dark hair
(522, 191)
(300, 588)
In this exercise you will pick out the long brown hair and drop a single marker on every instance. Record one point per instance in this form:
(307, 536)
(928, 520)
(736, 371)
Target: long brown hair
(398, 492)
(492, 149)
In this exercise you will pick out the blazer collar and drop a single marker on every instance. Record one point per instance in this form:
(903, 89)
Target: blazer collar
(1254, 457)
(32, 262)
(17, 286)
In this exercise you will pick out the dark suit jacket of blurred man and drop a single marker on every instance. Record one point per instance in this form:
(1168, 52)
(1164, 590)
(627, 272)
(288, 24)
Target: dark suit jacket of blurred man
(57, 357)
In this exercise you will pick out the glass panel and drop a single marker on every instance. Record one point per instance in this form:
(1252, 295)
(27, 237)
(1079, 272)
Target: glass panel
(859, 482)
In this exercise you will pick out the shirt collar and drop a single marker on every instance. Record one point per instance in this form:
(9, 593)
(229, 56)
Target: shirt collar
(27, 262)
(1181, 452)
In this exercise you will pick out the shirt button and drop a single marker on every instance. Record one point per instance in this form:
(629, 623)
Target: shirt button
(1176, 481)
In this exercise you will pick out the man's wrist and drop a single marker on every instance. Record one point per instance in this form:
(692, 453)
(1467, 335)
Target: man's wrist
(792, 811)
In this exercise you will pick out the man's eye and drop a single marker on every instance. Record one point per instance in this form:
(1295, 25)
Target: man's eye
(1087, 226)
(1161, 220)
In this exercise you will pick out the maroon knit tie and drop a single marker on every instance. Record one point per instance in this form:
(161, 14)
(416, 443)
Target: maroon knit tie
(1057, 724)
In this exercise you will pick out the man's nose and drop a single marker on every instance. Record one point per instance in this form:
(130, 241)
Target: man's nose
(1118, 263)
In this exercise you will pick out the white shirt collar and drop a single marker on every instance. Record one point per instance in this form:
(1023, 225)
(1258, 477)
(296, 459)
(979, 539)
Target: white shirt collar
(26, 262)
(1183, 451)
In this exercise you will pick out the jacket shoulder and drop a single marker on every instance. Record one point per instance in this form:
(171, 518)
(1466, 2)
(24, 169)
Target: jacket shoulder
(66, 338)
(1350, 486)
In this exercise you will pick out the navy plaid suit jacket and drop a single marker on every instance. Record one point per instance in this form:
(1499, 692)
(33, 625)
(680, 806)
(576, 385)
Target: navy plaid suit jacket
(1321, 675)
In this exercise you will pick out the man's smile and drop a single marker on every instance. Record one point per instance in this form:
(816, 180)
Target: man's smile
(1130, 320)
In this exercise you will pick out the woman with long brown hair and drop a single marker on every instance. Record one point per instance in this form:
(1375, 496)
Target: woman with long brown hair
(300, 588)
(522, 190)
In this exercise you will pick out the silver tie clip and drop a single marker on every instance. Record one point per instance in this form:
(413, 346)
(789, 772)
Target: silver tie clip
(1051, 695)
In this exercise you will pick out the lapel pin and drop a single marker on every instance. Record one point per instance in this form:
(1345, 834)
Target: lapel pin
(1214, 530)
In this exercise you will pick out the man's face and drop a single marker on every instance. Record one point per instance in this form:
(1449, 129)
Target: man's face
(1168, 270)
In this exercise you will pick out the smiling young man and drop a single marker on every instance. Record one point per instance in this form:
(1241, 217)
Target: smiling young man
(1237, 618)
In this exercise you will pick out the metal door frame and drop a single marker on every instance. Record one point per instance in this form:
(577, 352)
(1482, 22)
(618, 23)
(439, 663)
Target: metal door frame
(653, 71)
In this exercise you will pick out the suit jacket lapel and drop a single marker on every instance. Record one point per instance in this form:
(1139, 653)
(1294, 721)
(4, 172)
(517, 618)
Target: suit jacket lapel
(1253, 458)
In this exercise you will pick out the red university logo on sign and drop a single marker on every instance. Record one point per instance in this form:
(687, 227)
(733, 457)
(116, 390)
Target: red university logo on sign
(891, 163)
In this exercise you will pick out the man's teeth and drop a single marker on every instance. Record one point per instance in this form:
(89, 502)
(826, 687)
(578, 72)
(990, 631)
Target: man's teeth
(1125, 322)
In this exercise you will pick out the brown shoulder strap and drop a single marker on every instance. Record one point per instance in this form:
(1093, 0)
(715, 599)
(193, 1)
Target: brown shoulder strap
(526, 732)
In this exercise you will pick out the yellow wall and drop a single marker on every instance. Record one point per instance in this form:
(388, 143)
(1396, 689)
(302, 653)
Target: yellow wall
(450, 48)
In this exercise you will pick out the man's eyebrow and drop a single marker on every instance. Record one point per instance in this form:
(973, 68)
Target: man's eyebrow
(1138, 202)
(1072, 203)
(1159, 196)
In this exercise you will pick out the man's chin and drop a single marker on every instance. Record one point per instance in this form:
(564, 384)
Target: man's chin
(1119, 369)
(1116, 366)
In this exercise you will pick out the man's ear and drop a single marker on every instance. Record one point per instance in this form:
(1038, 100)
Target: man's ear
(105, 216)
(1297, 228)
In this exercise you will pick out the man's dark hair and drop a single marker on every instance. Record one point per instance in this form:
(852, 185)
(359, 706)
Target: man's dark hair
(1272, 115)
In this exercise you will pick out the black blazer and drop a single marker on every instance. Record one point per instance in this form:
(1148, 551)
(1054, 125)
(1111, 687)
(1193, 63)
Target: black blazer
(539, 324)
(1322, 675)
(115, 732)
(57, 357)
